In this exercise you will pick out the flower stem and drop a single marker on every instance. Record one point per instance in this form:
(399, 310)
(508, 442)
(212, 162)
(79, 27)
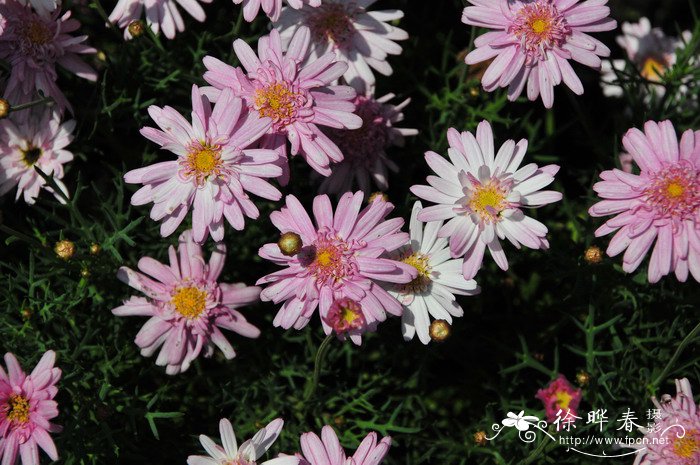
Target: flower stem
(24, 106)
(318, 365)
(681, 347)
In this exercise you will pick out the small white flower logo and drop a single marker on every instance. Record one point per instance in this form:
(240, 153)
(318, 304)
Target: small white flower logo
(521, 421)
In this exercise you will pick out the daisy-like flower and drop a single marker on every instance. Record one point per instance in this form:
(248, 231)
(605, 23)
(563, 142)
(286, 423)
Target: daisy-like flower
(559, 396)
(439, 279)
(364, 149)
(186, 305)
(364, 39)
(650, 50)
(661, 203)
(26, 406)
(160, 14)
(327, 450)
(215, 169)
(43, 7)
(337, 266)
(272, 8)
(294, 91)
(674, 439)
(250, 451)
(39, 141)
(34, 44)
(533, 42)
(482, 195)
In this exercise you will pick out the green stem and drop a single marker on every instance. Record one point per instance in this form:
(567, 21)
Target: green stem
(318, 365)
(681, 347)
(19, 235)
(24, 106)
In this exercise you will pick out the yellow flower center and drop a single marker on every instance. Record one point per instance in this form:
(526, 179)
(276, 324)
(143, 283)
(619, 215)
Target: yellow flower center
(276, 101)
(189, 302)
(325, 258)
(348, 315)
(18, 409)
(674, 190)
(653, 69)
(421, 263)
(539, 26)
(37, 33)
(203, 160)
(31, 155)
(688, 445)
(563, 399)
(488, 201)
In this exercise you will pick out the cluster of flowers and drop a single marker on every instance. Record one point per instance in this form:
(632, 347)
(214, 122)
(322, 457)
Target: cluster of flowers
(309, 91)
(35, 38)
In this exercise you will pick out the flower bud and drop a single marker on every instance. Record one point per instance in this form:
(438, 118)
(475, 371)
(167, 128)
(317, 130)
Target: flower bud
(290, 244)
(583, 378)
(95, 249)
(136, 28)
(480, 438)
(593, 255)
(378, 195)
(64, 249)
(4, 108)
(440, 330)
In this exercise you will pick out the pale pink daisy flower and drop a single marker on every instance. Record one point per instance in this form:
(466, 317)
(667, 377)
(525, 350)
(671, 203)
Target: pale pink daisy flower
(432, 293)
(228, 453)
(337, 266)
(34, 44)
(186, 305)
(482, 195)
(559, 397)
(43, 7)
(674, 437)
(292, 90)
(217, 166)
(364, 149)
(38, 141)
(26, 406)
(364, 39)
(661, 203)
(161, 15)
(272, 8)
(651, 52)
(533, 42)
(327, 450)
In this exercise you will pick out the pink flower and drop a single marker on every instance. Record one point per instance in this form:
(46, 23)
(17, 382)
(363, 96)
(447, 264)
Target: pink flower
(364, 39)
(327, 450)
(674, 438)
(160, 14)
(559, 397)
(533, 42)
(364, 149)
(26, 406)
(186, 306)
(661, 203)
(650, 51)
(215, 169)
(250, 451)
(272, 8)
(482, 195)
(338, 263)
(33, 44)
(39, 141)
(294, 92)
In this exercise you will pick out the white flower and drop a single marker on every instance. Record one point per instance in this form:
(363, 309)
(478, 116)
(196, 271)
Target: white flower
(249, 452)
(439, 278)
(362, 38)
(650, 50)
(521, 421)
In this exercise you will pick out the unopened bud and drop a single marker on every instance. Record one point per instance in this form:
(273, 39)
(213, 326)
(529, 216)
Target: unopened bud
(64, 249)
(440, 330)
(290, 244)
(136, 28)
